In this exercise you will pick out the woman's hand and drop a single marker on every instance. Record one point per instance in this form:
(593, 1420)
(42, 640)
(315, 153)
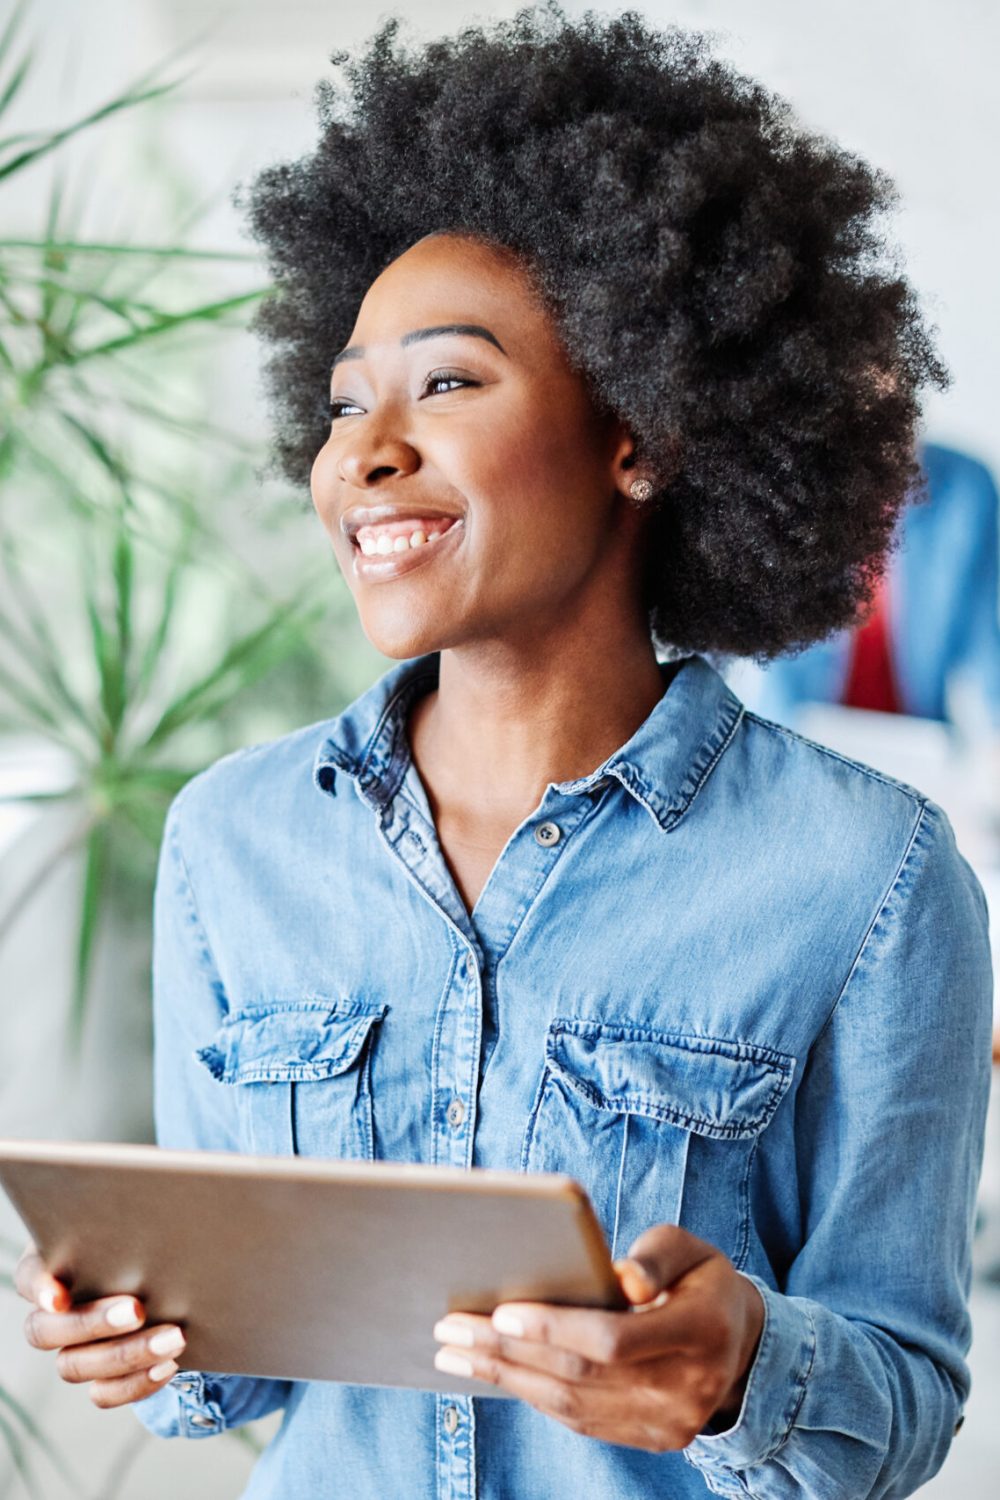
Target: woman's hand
(652, 1377)
(121, 1366)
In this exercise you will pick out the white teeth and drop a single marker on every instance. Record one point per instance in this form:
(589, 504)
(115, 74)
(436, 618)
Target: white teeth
(384, 545)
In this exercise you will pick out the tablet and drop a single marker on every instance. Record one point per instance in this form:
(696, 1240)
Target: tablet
(304, 1268)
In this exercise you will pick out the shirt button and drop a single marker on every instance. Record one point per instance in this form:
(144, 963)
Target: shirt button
(200, 1419)
(184, 1385)
(456, 1113)
(548, 834)
(450, 1420)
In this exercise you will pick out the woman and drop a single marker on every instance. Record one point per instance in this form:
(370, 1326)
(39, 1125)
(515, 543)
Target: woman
(616, 377)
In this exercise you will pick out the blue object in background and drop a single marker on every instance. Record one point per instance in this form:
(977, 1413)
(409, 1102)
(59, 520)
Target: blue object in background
(943, 607)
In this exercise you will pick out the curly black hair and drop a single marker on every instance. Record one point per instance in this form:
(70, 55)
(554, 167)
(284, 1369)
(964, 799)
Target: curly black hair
(717, 274)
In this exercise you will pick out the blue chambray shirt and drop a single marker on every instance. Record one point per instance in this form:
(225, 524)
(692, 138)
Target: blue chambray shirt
(740, 983)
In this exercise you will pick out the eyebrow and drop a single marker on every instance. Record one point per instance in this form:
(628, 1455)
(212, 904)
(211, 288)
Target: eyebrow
(472, 330)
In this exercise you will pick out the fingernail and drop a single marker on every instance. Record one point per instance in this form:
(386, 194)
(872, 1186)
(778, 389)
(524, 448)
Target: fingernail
(504, 1321)
(161, 1372)
(47, 1298)
(121, 1314)
(452, 1364)
(451, 1331)
(170, 1341)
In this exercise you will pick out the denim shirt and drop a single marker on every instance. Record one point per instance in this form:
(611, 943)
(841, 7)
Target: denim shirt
(729, 980)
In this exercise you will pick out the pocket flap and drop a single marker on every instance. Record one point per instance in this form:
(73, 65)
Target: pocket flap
(289, 1043)
(707, 1085)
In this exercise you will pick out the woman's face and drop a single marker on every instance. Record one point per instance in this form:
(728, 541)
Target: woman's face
(471, 490)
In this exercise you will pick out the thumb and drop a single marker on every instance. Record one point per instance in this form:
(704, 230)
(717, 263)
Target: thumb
(658, 1259)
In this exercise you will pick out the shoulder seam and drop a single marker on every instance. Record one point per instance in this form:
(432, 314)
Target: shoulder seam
(922, 813)
(173, 834)
(845, 760)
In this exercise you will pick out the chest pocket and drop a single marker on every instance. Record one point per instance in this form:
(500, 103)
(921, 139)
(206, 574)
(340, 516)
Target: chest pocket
(658, 1128)
(300, 1075)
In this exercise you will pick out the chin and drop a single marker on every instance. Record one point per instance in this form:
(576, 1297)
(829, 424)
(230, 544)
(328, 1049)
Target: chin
(403, 639)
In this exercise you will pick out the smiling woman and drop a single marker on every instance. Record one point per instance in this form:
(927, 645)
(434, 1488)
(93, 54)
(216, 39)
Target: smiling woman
(591, 361)
(457, 418)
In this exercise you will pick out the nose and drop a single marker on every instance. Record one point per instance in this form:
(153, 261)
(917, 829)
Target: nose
(374, 452)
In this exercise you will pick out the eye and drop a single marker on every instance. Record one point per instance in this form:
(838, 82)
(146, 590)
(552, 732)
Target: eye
(450, 378)
(338, 408)
(446, 377)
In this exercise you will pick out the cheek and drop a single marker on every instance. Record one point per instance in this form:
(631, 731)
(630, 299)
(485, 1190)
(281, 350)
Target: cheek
(530, 476)
(322, 483)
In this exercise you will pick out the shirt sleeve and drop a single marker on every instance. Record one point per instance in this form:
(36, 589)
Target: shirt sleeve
(189, 1004)
(860, 1375)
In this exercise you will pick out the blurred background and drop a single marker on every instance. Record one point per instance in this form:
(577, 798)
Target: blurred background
(163, 600)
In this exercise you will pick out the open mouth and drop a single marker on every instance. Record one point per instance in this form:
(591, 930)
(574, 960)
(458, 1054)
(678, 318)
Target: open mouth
(389, 537)
(390, 548)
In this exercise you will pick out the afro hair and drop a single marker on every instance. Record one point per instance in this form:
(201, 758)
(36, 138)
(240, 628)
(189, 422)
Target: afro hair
(717, 275)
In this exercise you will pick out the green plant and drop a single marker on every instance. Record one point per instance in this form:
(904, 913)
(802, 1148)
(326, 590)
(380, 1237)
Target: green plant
(137, 636)
(134, 631)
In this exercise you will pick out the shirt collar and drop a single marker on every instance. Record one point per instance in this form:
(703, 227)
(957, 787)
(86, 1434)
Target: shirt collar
(662, 765)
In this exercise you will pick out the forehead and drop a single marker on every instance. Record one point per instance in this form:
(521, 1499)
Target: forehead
(447, 278)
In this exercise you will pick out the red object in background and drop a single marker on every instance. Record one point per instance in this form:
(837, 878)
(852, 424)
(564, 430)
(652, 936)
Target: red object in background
(871, 682)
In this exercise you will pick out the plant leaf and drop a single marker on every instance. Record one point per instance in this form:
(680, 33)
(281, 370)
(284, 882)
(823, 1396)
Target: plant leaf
(13, 85)
(245, 660)
(19, 1457)
(169, 322)
(10, 30)
(32, 1428)
(45, 142)
(100, 247)
(44, 658)
(91, 905)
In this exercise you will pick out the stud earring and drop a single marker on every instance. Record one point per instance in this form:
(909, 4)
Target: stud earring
(640, 490)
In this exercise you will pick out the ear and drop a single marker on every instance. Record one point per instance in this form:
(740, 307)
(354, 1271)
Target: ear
(626, 465)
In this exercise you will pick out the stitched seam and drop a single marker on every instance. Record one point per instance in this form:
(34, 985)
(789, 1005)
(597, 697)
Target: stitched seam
(742, 1051)
(709, 768)
(666, 1114)
(401, 692)
(669, 1113)
(530, 904)
(194, 915)
(882, 908)
(291, 1073)
(739, 1259)
(618, 1188)
(261, 1072)
(799, 1391)
(532, 1123)
(439, 1020)
(334, 1012)
(844, 760)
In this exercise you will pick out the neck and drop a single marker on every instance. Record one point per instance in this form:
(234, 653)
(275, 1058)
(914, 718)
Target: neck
(508, 717)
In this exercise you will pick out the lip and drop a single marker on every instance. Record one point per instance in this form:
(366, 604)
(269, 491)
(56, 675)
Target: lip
(378, 569)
